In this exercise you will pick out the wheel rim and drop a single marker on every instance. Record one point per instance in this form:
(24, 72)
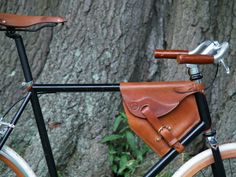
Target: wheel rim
(208, 161)
(12, 166)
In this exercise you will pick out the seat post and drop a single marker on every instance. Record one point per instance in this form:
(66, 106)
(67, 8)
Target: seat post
(22, 54)
(35, 103)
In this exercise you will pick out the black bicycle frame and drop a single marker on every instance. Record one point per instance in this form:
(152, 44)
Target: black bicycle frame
(35, 89)
(32, 96)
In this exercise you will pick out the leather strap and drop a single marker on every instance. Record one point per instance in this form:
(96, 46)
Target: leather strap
(163, 130)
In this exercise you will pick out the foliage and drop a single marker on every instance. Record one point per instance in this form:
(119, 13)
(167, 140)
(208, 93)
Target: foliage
(125, 150)
(165, 174)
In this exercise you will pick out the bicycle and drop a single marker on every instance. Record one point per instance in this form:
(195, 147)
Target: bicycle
(208, 52)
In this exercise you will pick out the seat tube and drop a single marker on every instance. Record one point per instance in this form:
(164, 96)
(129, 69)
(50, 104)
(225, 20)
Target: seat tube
(35, 104)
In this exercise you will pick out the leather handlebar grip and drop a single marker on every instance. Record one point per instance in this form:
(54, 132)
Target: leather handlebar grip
(158, 53)
(195, 59)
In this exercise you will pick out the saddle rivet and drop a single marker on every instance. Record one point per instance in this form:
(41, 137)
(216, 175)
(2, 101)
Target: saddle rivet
(3, 21)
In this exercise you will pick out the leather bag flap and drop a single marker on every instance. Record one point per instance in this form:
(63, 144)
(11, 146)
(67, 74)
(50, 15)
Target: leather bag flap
(161, 97)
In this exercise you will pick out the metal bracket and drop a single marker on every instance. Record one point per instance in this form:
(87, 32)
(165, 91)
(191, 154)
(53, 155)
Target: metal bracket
(27, 85)
(212, 139)
(6, 124)
(213, 142)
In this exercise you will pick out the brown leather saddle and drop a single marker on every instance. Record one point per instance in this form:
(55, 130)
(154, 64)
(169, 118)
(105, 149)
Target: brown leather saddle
(21, 21)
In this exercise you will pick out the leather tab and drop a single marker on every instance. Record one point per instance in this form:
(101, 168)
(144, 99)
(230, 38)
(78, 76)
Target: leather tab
(179, 147)
(157, 125)
(163, 130)
(190, 88)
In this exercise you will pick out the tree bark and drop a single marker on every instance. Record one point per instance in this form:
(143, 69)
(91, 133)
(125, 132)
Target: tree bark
(108, 41)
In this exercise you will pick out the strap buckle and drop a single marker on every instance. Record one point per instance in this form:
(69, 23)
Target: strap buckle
(164, 127)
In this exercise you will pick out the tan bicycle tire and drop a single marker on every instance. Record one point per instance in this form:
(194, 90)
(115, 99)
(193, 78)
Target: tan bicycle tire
(205, 159)
(12, 166)
(15, 163)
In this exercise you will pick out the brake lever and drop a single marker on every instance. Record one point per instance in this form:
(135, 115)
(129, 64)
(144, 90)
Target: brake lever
(221, 54)
(224, 65)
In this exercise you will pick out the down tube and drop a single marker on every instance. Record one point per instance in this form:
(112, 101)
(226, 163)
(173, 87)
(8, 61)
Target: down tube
(15, 119)
(165, 160)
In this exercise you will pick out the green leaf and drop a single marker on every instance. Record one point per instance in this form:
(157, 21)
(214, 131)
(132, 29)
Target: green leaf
(165, 174)
(112, 150)
(112, 137)
(127, 175)
(111, 158)
(117, 159)
(125, 150)
(127, 153)
(117, 122)
(131, 141)
(122, 164)
(145, 148)
(130, 163)
(123, 115)
(124, 129)
(139, 155)
(114, 168)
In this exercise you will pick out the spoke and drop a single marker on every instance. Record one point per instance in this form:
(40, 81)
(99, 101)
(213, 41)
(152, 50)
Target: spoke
(230, 167)
(202, 173)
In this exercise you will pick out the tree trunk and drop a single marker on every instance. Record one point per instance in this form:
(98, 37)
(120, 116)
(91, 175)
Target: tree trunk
(108, 41)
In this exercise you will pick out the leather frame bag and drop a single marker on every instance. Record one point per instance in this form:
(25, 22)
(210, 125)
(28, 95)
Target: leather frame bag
(161, 113)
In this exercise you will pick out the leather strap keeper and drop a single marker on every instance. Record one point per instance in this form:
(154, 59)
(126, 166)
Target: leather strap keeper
(161, 113)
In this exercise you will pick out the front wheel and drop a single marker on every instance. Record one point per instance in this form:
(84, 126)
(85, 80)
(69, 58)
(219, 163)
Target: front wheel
(200, 165)
(14, 165)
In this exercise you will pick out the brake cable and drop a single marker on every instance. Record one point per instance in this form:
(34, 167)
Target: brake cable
(212, 82)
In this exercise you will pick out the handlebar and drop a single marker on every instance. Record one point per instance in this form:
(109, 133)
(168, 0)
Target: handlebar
(195, 59)
(206, 53)
(172, 54)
